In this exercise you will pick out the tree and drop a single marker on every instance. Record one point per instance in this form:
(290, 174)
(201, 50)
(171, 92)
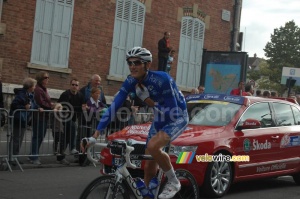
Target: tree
(262, 77)
(283, 51)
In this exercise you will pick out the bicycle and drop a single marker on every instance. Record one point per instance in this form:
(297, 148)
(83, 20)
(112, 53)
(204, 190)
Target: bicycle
(121, 185)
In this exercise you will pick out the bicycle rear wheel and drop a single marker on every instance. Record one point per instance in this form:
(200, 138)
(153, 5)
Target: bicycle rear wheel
(104, 187)
(189, 187)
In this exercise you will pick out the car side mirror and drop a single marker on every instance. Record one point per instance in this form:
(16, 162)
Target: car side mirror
(249, 124)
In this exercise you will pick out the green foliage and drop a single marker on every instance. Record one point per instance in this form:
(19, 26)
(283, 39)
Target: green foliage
(253, 74)
(283, 51)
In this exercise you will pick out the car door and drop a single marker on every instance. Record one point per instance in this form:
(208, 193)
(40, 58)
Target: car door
(261, 144)
(287, 119)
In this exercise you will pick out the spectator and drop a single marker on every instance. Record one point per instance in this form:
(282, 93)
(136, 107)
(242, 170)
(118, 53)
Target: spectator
(194, 91)
(249, 90)
(60, 136)
(94, 83)
(237, 91)
(23, 100)
(170, 61)
(258, 93)
(163, 51)
(274, 94)
(73, 100)
(94, 105)
(266, 94)
(201, 89)
(43, 102)
(94, 109)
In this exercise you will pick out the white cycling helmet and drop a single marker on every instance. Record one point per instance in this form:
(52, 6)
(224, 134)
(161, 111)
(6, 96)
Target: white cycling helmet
(141, 53)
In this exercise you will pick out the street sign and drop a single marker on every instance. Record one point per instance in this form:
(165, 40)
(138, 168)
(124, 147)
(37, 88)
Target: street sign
(293, 73)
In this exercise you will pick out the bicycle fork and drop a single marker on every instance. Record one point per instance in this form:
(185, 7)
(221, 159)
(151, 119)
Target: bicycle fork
(113, 188)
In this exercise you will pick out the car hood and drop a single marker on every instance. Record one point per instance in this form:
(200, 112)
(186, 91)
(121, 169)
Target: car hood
(193, 133)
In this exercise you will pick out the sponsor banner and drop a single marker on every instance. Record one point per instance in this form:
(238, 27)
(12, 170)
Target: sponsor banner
(216, 97)
(256, 145)
(273, 167)
(290, 141)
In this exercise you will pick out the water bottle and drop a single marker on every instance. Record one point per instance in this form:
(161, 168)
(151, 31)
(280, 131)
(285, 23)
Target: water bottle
(153, 187)
(140, 184)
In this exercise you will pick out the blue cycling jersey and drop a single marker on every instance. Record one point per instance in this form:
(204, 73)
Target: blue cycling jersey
(170, 102)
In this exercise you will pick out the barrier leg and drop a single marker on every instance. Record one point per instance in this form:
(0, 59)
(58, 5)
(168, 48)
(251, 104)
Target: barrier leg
(7, 163)
(18, 163)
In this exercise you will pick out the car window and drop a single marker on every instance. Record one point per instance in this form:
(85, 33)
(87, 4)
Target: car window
(260, 112)
(296, 115)
(212, 113)
(284, 114)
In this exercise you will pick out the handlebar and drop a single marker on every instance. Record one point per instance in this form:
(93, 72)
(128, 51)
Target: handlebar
(128, 150)
(89, 151)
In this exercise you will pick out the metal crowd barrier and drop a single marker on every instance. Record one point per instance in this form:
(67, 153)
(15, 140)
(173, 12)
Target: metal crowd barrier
(31, 134)
(4, 138)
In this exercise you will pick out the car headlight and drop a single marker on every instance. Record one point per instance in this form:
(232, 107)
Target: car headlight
(175, 150)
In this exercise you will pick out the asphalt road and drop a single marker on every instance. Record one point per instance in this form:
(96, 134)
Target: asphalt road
(64, 182)
(67, 182)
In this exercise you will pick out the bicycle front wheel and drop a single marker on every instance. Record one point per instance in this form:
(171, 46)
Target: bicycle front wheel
(189, 187)
(105, 187)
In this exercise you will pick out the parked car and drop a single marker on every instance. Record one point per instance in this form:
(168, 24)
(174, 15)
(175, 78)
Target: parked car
(262, 134)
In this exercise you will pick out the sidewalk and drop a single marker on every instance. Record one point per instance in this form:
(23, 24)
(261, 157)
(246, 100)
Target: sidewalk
(47, 162)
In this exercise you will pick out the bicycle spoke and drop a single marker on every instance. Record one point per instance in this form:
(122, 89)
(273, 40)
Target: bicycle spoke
(105, 187)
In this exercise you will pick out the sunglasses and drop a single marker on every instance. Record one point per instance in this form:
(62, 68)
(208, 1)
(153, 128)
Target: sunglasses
(135, 63)
(46, 77)
(74, 84)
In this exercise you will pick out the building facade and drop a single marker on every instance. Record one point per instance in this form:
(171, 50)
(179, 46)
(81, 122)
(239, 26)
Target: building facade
(77, 38)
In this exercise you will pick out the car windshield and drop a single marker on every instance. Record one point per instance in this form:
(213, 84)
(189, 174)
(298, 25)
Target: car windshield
(211, 113)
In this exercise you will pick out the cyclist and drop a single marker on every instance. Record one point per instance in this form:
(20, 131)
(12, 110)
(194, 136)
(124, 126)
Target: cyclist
(158, 90)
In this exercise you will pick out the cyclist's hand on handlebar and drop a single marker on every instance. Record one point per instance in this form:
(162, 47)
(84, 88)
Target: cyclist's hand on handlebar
(86, 142)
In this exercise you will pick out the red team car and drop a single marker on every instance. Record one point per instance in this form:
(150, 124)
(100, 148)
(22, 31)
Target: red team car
(228, 139)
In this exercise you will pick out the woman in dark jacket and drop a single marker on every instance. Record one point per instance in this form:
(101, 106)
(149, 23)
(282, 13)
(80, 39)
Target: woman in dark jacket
(23, 100)
(40, 123)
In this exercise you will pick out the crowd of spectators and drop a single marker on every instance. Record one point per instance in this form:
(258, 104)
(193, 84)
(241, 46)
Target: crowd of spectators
(70, 118)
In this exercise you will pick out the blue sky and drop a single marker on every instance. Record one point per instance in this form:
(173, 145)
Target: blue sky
(260, 18)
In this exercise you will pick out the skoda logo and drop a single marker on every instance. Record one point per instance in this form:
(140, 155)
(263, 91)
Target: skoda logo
(246, 145)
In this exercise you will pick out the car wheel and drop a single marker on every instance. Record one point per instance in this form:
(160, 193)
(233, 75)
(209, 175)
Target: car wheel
(296, 178)
(218, 178)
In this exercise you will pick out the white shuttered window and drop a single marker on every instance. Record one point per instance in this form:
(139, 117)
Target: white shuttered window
(128, 32)
(190, 53)
(52, 32)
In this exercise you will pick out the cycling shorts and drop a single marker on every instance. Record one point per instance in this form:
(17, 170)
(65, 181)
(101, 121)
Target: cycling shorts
(172, 128)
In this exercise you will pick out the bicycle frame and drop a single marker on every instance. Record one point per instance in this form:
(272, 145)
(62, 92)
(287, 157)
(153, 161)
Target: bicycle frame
(122, 172)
